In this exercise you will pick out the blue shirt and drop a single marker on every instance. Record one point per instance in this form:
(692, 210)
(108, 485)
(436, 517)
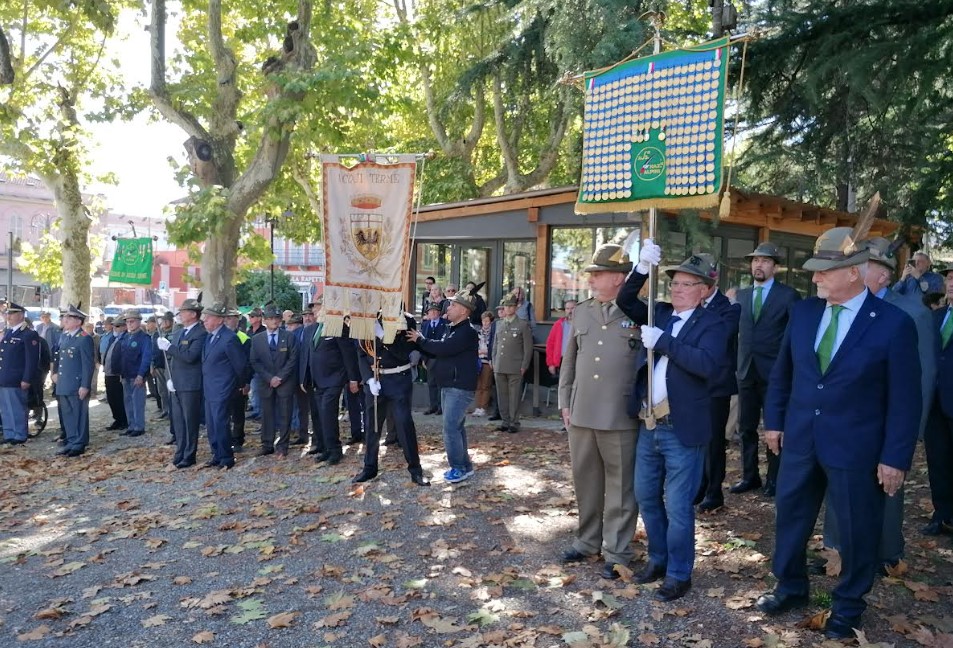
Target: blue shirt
(766, 288)
(847, 316)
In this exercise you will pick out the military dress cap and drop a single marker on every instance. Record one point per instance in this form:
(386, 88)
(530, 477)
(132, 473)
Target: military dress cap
(700, 265)
(509, 299)
(836, 248)
(882, 251)
(191, 305)
(766, 249)
(271, 312)
(218, 309)
(133, 313)
(609, 257)
(73, 311)
(14, 307)
(465, 299)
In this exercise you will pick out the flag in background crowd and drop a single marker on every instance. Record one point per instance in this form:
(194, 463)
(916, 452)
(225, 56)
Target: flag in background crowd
(653, 131)
(132, 262)
(367, 219)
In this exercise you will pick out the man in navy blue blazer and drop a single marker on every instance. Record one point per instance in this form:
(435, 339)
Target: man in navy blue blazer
(844, 401)
(691, 351)
(938, 437)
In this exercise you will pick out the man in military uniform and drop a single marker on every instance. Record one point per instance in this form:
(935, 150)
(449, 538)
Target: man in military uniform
(388, 386)
(223, 366)
(19, 355)
(274, 359)
(844, 401)
(135, 358)
(183, 351)
(159, 373)
(512, 353)
(236, 408)
(255, 327)
(72, 376)
(595, 380)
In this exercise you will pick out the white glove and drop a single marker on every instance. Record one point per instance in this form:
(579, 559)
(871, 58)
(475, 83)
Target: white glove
(649, 256)
(375, 386)
(650, 335)
(170, 385)
(163, 344)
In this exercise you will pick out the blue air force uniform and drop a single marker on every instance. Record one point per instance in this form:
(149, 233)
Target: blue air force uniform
(74, 371)
(19, 354)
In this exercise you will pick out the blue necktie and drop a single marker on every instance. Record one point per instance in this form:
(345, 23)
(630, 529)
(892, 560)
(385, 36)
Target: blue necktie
(273, 341)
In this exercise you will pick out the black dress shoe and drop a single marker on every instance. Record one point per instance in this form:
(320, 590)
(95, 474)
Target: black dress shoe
(211, 463)
(672, 589)
(313, 450)
(495, 417)
(710, 504)
(61, 453)
(839, 626)
(364, 476)
(264, 452)
(74, 453)
(572, 555)
(357, 439)
(770, 488)
(238, 448)
(745, 485)
(163, 415)
(334, 459)
(650, 573)
(170, 441)
(513, 429)
(419, 480)
(503, 428)
(777, 602)
(320, 456)
(937, 527)
(390, 441)
(135, 433)
(184, 464)
(429, 411)
(608, 571)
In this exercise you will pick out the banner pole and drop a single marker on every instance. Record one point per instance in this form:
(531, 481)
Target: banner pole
(653, 270)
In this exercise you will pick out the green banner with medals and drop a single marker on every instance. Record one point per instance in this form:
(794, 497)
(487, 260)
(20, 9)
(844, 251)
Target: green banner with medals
(132, 262)
(653, 132)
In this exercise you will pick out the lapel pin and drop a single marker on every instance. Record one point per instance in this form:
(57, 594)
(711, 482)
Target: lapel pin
(873, 314)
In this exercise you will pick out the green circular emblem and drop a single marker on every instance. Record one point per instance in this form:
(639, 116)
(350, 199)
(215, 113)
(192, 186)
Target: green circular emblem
(649, 163)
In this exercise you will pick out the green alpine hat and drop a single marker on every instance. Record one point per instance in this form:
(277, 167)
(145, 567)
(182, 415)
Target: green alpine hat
(191, 305)
(836, 248)
(701, 265)
(465, 299)
(766, 249)
(882, 251)
(609, 257)
(218, 309)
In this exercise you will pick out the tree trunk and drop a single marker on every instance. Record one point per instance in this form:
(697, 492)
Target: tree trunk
(74, 223)
(219, 261)
(717, 10)
(7, 75)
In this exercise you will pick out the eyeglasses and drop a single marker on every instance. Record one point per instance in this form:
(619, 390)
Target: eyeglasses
(684, 284)
(450, 290)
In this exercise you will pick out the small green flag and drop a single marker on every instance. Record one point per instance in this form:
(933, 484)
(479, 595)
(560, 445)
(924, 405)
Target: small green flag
(132, 262)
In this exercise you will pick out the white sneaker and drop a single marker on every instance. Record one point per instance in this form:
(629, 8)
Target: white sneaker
(479, 412)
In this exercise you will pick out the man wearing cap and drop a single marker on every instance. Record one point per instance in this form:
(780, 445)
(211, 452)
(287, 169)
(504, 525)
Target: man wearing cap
(765, 308)
(433, 327)
(880, 269)
(183, 352)
(330, 365)
(388, 388)
(301, 403)
(690, 346)
(160, 375)
(917, 278)
(111, 377)
(135, 358)
(239, 400)
(938, 436)
(47, 330)
(19, 355)
(844, 401)
(456, 370)
(255, 326)
(512, 353)
(304, 395)
(72, 377)
(150, 326)
(594, 383)
(723, 388)
(223, 366)
(274, 359)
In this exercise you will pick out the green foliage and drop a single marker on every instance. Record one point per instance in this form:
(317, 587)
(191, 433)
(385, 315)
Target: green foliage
(45, 261)
(255, 290)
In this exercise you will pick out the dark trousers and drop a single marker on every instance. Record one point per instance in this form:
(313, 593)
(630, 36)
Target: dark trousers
(938, 442)
(216, 427)
(303, 399)
(355, 413)
(858, 503)
(154, 389)
(394, 400)
(433, 391)
(751, 392)
(324, 412)
(275, 418)
(184, 409)
(714, 475)
(114, 397)
(236, 418)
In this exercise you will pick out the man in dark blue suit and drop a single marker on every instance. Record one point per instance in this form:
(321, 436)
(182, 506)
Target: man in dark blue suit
(224, 364)
(764, 315)
(330, 363)
(432, 328)
(19, 354)
(134, 360)
(723, 388)
(844, 401)
(691, 351)
(938, 437)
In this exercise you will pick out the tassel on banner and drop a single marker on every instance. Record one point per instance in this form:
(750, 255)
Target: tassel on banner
(724, 210)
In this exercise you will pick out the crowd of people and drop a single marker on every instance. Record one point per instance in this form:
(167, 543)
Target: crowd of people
(845, 384)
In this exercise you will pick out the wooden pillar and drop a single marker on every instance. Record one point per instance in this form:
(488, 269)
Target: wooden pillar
(541, 270)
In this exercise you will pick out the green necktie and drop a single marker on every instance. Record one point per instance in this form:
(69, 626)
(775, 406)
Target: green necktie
(317, 335)
(758, 301)
(947, 331)
(825, 350)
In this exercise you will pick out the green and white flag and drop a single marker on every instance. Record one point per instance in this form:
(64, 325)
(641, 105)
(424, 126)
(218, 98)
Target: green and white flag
(132, 262)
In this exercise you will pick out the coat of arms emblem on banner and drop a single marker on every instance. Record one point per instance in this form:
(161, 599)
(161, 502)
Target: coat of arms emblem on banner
(367, 226)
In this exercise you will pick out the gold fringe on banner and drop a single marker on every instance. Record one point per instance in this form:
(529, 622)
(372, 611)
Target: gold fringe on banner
(691, 202)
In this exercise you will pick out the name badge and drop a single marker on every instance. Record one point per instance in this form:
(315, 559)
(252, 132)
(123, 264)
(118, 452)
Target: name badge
(282, 349)
(627, 324)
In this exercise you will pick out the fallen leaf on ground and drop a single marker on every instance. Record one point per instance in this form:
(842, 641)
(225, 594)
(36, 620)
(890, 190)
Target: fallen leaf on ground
(156, 620)
(281, 620)
(36, 634)
(203, 637)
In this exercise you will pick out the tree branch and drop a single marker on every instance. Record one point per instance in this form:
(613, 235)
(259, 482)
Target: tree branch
(508, 151)
(157, 89)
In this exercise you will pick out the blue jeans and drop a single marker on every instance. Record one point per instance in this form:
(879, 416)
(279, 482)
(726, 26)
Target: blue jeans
(134, 398)
(255, 399)
(455, 403)
(667, 477)
(13, 402)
